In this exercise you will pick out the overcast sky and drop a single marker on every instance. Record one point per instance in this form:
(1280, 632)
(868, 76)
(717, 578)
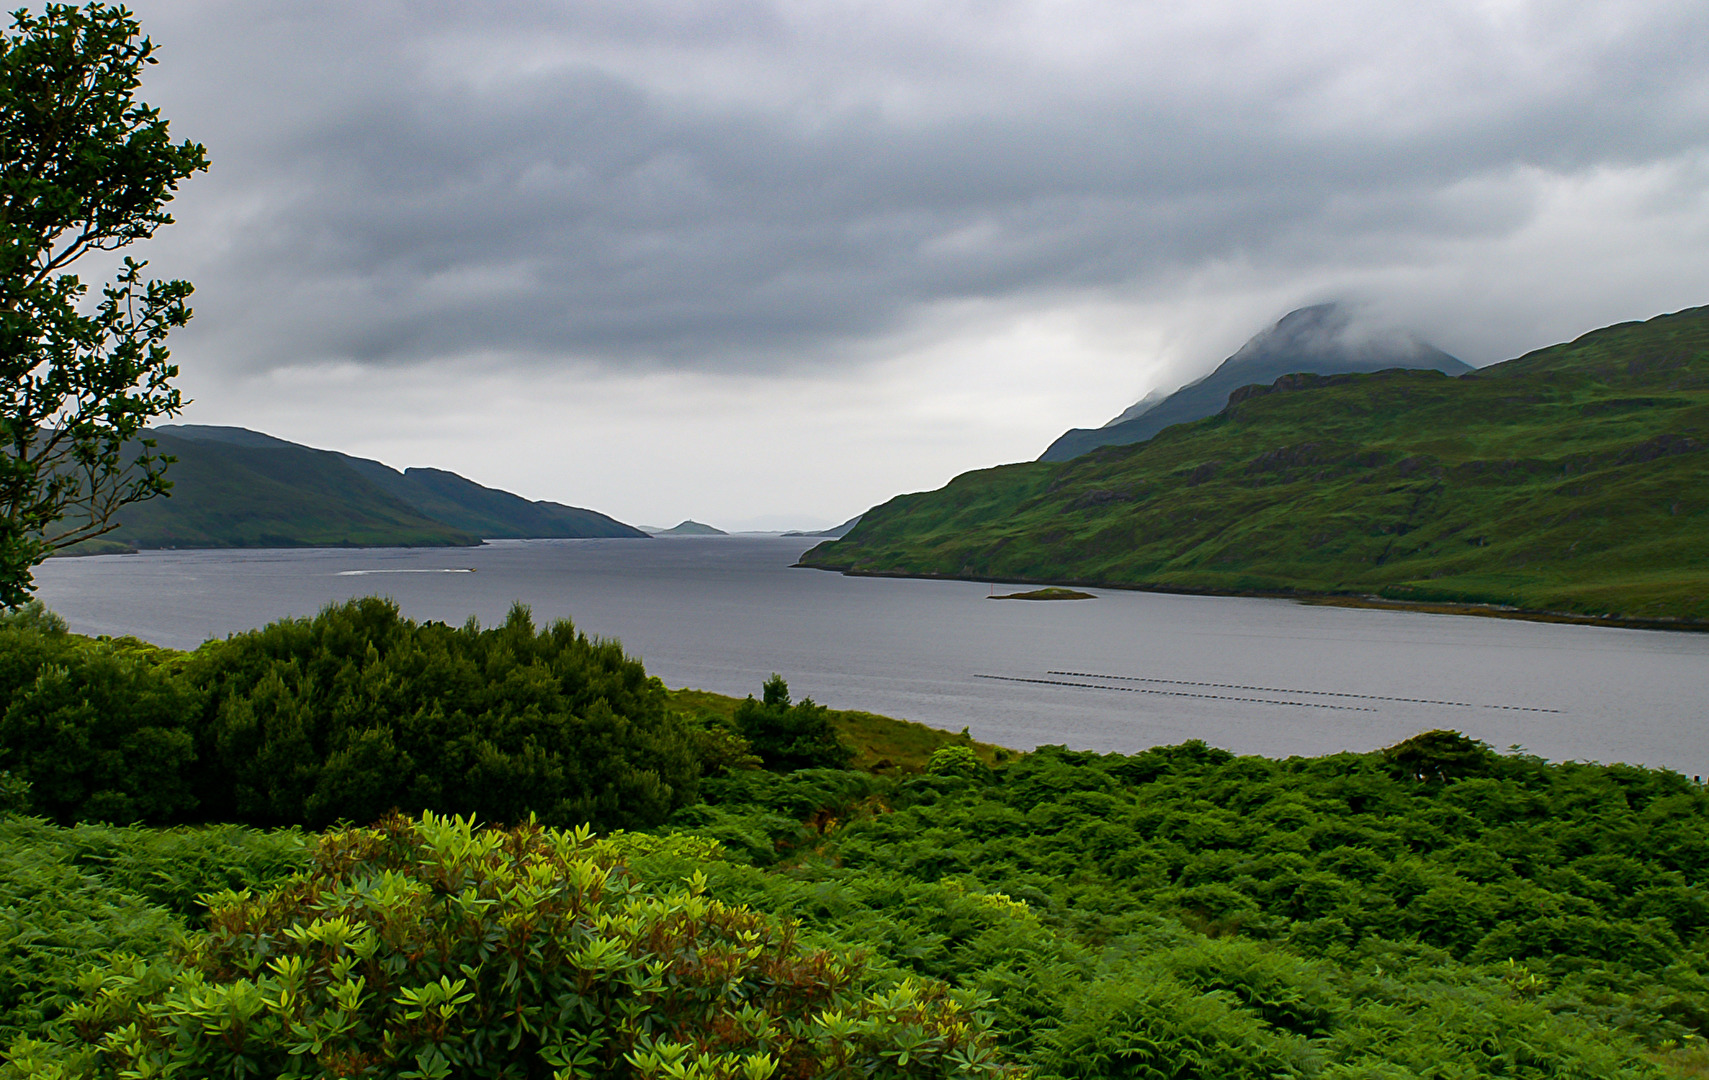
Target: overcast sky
(765, 264)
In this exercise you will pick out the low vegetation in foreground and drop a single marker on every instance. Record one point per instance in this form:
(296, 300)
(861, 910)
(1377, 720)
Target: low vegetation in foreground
(879, 744)
(1434, 910)
(1573, 480)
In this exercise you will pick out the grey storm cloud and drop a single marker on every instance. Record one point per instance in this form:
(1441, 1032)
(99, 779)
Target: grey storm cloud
(737, 184)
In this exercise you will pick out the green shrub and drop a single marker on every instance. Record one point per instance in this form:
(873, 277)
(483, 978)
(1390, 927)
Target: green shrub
(788, 737)
(344, 716)
(429, 948)
(1330, 900)
(778, 813)
(98, 729)
(957, 761)
(72, 897)
(175, 868)
(56, 919)
(14, 794)
(1160, 1030)
(358, 711)
(1288, 993)
(32, 615)
(1439, 755)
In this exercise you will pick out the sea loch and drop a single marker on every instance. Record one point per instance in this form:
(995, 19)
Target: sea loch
(1123, 672)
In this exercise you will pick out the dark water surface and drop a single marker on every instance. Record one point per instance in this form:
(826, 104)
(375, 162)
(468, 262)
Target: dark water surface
(722, 613)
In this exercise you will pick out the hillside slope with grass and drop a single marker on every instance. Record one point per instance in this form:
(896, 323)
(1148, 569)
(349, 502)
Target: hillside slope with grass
(283, 495)
(880, 744)
(232, 487)
(1572, 479)
(1322, 339)
(488, 512)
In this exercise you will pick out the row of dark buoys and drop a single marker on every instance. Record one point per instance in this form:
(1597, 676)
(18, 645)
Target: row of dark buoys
(1176, 693)
(1283, 690)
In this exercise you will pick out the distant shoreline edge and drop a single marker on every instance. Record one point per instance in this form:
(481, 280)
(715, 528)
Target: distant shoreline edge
(1366, 600)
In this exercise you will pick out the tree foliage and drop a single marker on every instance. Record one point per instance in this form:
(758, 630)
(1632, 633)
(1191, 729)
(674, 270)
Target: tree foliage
(956, 761)
(789, 736)
(100, 731)
(84, 168)
(347, 715)
(429, 948)
(360, 710)
(1440, 755)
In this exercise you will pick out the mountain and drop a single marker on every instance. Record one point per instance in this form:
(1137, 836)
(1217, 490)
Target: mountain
(690, 528)
(1322, 340)
(264, 492)
(488, 512)
(238, 488)
(1573, 479)
(835, 531)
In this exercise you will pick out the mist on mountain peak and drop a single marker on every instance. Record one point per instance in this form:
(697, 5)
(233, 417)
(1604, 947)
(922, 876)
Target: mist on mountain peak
(1330, 338)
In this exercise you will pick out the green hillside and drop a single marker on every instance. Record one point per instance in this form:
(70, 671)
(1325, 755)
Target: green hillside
(1321, 339)
(276, 494)
(1572, 479)
(488, 512)
(232, 487)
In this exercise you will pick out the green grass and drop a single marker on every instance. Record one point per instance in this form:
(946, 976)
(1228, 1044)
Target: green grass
(1574, 479)
(881, 743)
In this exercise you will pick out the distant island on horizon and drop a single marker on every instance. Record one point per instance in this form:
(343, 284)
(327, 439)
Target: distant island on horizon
(688, 527)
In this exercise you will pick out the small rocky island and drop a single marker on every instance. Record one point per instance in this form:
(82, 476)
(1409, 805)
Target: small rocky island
(1052, 593)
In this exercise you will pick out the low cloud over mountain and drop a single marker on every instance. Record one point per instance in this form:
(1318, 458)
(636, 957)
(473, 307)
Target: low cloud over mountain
(1038, 205)
(1325, 339)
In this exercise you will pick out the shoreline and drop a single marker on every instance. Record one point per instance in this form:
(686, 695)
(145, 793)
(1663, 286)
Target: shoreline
(1366, 600)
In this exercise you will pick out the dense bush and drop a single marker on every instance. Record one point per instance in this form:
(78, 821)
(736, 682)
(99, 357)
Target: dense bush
(1187, 912)
(789, 736)
(1181, 912)
(100, 730)
(427, 948)
(56, 919)
(1576, 864)
(358, 711)
(343, 716)
(1159, 1028)
(69, 898)
(762, 819)
(957, 761)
